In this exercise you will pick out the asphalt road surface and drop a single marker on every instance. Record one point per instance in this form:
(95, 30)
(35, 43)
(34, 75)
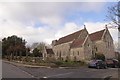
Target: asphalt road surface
(11, 71)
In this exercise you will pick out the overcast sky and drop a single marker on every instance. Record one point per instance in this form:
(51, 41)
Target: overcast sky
(46, 21)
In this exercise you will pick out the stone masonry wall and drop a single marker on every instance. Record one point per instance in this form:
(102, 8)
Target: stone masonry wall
(88, 49)
(77, 54)
(62, 51)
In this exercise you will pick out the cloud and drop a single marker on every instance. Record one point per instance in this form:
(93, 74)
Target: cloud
(47, 34)
(21, 18)
(58, 0)
(92, 27)
(51, 20)
(68, 28)
(29, 33)
(45, 12)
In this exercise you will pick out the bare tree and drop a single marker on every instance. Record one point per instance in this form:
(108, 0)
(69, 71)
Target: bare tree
(114, 14)
(41, 46)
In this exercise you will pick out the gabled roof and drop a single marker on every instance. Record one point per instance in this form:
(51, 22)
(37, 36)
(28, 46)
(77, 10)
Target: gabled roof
(49, 51)
(69, 38)
(77, 43)
(97, 35)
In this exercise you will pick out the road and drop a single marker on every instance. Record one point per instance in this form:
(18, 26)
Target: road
(11, 71)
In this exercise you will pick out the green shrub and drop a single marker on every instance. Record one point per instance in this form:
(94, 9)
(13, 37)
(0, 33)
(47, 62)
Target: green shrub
(70, 63)
(58, 63)
(100, 56)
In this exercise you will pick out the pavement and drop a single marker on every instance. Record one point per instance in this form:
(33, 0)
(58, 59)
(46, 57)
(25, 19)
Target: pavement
(11, 71)
(24, 65)
(15, 71)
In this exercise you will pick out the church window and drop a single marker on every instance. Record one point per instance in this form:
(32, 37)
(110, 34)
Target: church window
(78, 52)
(73, 53)
(63, 53)
(60, 54)
(62, 59)
(57, 54)
(110, 43)
(88, 45)
(96, 48)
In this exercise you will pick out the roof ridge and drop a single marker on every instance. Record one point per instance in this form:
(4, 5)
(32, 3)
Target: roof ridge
(97, 31)
(71, 33)
(96, 35)
(69, 37)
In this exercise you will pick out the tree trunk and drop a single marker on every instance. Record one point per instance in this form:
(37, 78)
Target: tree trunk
(26, 55)
(20, 55)
(16, 55)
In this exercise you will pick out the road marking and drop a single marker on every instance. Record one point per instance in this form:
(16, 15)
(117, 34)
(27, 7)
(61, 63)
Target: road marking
(59, 74)
(15, 66)
(28, 73)
(24, 71)
(91, 70)
(44, 77)
(107, 77)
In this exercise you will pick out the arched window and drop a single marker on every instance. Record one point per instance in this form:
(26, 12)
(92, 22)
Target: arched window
(60, 54)
(88, 45)
(96, 49)
(73, 53)
(56, 53)
(78, 52)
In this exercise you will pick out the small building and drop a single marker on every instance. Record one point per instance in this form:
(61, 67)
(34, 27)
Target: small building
(48, 54)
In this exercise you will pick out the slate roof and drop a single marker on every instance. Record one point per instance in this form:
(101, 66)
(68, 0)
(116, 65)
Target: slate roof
(96, 35)
(70, 37)
(77, 43)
